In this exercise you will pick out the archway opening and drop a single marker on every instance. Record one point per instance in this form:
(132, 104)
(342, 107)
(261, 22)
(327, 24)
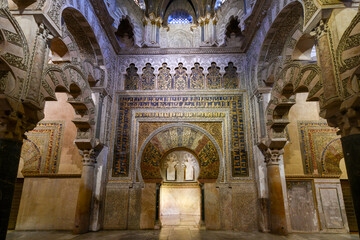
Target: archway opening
(180, 194)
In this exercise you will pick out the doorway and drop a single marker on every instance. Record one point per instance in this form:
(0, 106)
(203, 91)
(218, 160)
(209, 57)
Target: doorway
(180, 193)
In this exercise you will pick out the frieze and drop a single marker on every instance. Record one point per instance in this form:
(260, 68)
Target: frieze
(14, 60)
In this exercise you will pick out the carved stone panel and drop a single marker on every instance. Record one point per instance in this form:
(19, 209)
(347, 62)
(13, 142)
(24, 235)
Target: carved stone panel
(213, 78)
(197, 77)
(131, 78)
(180, 78)
(230, 79)
(303, 215)
(148, 78)
(164, 78)
(331, 205)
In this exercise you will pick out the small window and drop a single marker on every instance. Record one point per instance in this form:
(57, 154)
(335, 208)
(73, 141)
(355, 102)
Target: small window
(180, 17)
(218, 3)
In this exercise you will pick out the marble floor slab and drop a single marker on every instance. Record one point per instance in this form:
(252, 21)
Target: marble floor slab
(171, 233)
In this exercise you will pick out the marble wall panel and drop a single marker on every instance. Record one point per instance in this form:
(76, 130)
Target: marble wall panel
(41, 200)
(116, 206)
(212, 206)
(180, 199)
(148, 206)
(134, 207)
(226, 213)
(245, 207)
(303, 215)
(331, 205)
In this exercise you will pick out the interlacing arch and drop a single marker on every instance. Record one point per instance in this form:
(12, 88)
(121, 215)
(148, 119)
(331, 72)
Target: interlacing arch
(295, 77)
(70, 79)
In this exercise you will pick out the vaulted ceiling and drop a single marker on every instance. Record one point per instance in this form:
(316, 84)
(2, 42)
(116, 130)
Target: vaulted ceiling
(165, 7)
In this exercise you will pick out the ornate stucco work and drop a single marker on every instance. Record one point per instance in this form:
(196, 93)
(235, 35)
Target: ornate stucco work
(252, 94)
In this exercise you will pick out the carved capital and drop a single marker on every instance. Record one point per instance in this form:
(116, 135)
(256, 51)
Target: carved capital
(321, 30)
(272, 156)
(89, 157)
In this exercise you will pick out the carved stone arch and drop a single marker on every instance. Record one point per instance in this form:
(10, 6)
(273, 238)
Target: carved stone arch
(294, 78)
(70, 79)
(152, 139)
(280, 40)
(15, 51)
(83, 34)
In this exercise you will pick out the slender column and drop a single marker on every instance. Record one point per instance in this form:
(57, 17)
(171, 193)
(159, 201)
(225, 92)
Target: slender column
(83, 208)
(276, 198)
(9, 161)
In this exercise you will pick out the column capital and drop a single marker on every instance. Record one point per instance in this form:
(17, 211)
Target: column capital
(89, 157)
(320, 30)
(272, 156)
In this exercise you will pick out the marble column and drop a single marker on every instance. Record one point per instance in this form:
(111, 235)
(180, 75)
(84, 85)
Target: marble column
(9, 161)
(276, 198)
(83, 208)
(351, 149)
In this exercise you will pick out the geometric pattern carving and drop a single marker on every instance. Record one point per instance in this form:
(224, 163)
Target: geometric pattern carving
(131, 78)
(230, 78)
(42, 148)
(180, 78)
(148, 78)
(214, 77)
(164, 78)
(197, 77)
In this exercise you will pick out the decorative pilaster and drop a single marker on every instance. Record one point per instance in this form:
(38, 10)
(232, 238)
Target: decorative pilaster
(278, 223)
(83, 208)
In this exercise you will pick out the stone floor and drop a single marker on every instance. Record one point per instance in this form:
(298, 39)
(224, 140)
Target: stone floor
(173, 228)
(170, 234)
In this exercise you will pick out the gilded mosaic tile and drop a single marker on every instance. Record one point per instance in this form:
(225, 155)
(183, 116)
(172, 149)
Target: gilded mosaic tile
(320, 147)
(239, 159)
(42, 148)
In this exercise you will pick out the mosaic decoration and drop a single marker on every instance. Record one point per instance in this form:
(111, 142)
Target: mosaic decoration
(131, 78)
(213, 78)
(180, 78)
(239, 159)
(41, 150)
(164, 78)
(148, 78)
(197, 77)
(230, 79)
(180, 137)
(320, 148)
